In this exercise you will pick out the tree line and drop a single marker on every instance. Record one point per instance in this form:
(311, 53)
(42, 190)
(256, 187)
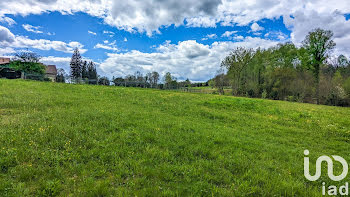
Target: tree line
(154, 80)
(287, 72)
(85, 72)
(82, 71)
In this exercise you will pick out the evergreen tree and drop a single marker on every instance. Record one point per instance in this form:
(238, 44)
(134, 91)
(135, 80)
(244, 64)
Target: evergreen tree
(92, 73)
(84, 70)
(76, 65)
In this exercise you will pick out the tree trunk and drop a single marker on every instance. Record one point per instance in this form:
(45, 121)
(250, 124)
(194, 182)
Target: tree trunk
(318, 90)
(317, 77)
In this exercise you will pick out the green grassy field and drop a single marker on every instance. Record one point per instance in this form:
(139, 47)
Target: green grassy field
(81, 140)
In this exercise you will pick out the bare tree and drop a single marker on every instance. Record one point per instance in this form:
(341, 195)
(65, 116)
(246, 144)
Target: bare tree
(27, 56)
(219, 81)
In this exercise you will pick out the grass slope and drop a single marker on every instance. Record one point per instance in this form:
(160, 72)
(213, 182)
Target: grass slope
(81, 140)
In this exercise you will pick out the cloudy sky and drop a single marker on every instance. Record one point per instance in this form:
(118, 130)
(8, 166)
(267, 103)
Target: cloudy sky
(188, 38)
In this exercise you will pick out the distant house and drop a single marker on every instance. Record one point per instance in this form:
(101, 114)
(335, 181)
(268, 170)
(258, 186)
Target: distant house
(51, 72)
(4, 61)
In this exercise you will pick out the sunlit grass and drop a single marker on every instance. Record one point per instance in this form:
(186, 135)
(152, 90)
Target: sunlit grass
(81, 140)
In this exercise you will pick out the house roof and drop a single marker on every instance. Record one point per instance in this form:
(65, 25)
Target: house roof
(4, 60)
(51, 69)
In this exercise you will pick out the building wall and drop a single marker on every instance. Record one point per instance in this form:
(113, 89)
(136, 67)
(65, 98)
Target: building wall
(4, 60)
(51, 76)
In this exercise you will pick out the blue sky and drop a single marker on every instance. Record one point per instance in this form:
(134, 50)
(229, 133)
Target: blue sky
(188, 39)
(76, 27)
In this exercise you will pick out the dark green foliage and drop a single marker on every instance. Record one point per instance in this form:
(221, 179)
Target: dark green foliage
(285, 72)
(103, 81)
(76, 65)
(92, 73)
(119, 81)
(150, 80)
(27, 62)
(84, 70)
(28, 67)
(187, 83)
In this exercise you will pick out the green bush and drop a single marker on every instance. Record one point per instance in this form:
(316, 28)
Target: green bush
(28, 67)
(264, 94)
(347, 86)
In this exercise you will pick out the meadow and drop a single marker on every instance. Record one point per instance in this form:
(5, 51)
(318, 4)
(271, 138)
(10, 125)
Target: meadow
(84, 140)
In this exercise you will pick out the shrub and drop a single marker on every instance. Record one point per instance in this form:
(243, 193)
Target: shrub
(347, 87)
(264, 94)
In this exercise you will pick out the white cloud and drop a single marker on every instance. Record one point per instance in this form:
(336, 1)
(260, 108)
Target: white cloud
(150, 16)
(276, 35)
(210, 36)
(42, 44)
(6, 51)
(302, 23)
(256, 27)
(93, 33)
(106, 47)
(228, 33)
(60, 62)
(7, 20)
(238, 38)
(6, 36)
(9, 40)
(110, 33)
(125, 39)
(187, 59)
(201, 22)
(30, 28)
